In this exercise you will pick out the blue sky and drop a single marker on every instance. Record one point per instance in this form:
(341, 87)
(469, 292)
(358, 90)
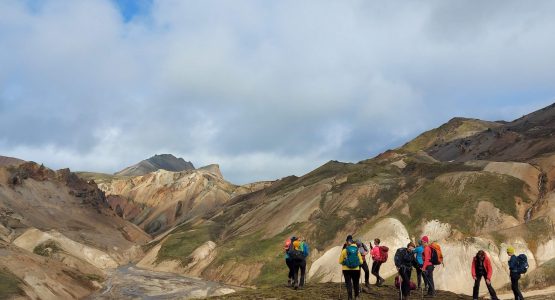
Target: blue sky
(265, 89)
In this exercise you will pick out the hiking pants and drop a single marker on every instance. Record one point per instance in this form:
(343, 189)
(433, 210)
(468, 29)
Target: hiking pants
(289, 263)
(429, 279)
(420, 276)
(476, 289)
(405, 273)
(514, 286)
(351, 282)
(299, 264)
(364, 266)
(376, 270)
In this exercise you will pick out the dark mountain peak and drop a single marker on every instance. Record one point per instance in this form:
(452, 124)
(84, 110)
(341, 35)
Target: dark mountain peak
(166, 162)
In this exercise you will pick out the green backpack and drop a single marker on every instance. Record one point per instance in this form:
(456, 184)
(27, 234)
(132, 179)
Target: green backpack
(351, 260)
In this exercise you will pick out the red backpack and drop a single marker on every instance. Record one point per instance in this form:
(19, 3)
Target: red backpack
(383, 253)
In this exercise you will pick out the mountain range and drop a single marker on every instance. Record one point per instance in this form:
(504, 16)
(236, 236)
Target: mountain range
(469, 184)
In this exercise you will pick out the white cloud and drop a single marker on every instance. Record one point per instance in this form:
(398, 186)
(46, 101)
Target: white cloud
(265, 89)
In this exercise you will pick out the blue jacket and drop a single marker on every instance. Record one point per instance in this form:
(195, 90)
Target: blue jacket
(418, 251)
(513, 263)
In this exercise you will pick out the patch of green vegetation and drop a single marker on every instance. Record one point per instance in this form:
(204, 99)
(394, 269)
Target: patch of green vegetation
(253, 249)
(327, 227)
(83, 279)
(47, 248)
(182, 242)
(9, 285)
(372, 170)
(498, 237)
(539, 231)
(456, 202)
(94, 277)
(416, 169)
(542, 277)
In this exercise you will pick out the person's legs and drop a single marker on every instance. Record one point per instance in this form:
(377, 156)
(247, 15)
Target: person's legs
(289, 263)
(515, 287)
(348, 283)
(303, 271)
(405, 283)
(366, 273)
(296, 266)
(430, 277)
(419, 276)
(378, 271)
(476, 289)
(356, 281)
(491, 291)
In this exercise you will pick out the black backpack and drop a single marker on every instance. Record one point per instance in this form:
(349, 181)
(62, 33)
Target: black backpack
(399, 257)
(522, 266)
(295, 254)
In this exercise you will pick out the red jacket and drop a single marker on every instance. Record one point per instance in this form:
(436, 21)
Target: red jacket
(427, 257)
(487, 266)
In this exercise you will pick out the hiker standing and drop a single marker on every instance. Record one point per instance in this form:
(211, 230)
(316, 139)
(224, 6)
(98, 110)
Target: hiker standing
(298, 254)
(404, 261)
(481, 267)
(378, 258)
(428, 267)
(288, 260)
(515, 269)
(351, 260)
(418, 251)
(363, 251)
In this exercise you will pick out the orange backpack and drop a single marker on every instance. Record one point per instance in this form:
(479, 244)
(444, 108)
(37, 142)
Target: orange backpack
(437, 255)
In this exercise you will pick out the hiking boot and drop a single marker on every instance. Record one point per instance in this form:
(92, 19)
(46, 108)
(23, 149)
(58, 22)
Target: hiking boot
(296, 287)
(380, 282)
(289, 282)
(367, 284)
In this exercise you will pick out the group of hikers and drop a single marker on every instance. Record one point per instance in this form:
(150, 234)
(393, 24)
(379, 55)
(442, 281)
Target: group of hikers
(423, 258)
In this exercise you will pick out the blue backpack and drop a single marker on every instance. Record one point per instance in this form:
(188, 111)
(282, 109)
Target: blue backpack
(351, 260)
(522, 266)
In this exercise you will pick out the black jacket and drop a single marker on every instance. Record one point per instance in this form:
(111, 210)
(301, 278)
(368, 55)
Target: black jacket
(405, 259)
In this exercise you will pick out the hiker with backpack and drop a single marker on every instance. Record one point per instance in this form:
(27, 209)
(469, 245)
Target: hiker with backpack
(288, 260)
(418, 251)
(363, 252)
(404, 262)
(351, 260)
(518, 265)
(379, 256)
(298, 253)
(481, 267)
(431, 258)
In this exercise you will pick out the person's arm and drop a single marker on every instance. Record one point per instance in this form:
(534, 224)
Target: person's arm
(427, 257)
(474, 268)
(342, 256)
(360, 258)
(489, 270)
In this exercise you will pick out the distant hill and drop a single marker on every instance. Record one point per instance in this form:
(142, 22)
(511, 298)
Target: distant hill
(520, 140)
(166, 162)
(6, 160)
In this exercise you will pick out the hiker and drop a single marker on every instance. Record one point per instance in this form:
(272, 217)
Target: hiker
(298, 254)
(428, 267)
(351, 260)
(363, 252)
(418, 251)
(288, 260)
(377, 253)
(404, 261)
(481, 267)
(516, 270)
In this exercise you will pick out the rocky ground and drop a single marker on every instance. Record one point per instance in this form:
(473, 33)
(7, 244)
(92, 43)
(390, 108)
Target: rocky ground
(329, 291)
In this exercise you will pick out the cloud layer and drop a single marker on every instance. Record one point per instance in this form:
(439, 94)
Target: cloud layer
(265, 89)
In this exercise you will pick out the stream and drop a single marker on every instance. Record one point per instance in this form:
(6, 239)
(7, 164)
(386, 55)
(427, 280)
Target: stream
(131, 282)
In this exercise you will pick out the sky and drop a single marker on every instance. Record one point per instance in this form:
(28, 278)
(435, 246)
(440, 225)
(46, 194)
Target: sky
(265, 89)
